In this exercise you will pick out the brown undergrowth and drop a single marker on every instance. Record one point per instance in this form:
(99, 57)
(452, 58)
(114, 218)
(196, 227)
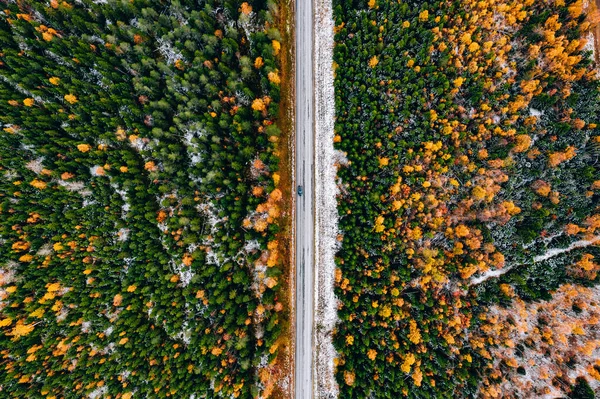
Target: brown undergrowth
(594, 10)
(279, 381)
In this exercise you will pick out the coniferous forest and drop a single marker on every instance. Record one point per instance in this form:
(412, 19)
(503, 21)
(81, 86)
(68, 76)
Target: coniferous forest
(146, 199)
(138, 198)
(469, 199)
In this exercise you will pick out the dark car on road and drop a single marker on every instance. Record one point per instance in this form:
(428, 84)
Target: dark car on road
(300, 190)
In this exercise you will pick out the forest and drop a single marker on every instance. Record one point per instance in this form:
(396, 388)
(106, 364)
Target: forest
(140, 198)
(469, 199)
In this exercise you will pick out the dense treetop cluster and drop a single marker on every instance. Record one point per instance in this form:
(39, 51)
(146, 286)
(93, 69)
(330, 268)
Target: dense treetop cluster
(138, 198)
(469, 197)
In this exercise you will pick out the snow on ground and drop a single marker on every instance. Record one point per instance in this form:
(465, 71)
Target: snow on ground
(98, 392)
(326, 216)
(557, 251)
(36, 165)
(75, 186)
(550, 253)
(490, 274)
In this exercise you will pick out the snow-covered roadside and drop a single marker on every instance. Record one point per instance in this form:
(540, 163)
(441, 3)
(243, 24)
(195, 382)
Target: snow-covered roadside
(326, 217)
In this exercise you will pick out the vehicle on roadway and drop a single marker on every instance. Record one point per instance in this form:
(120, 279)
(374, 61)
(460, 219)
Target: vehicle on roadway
(300, 191)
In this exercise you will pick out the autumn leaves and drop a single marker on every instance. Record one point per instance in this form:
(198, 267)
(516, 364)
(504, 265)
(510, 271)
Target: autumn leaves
(471, 126)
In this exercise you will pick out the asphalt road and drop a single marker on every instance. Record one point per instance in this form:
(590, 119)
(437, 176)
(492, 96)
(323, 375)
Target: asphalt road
(304, 204)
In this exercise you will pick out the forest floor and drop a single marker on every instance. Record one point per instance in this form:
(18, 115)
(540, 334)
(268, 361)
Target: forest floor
(283, 367)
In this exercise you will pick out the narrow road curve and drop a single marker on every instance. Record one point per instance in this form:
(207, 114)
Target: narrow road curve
(304, 170)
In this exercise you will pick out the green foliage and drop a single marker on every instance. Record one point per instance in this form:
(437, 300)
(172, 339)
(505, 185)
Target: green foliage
(132, 121)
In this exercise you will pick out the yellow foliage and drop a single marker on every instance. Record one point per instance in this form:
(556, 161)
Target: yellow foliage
(274, 78)
(258, 105)
(70, 98)
(260, 225)
(83, 147)
(40, 185)
(511, 208)
(556, 158)
(523, 142)
(26, 258)
(28, 102)
(373, 62)
(5, 322)
(349, 377)
(478, 192)
(474, 46)
(271, 282)
(385, 311)
(54, 287)
(461, 230)
(417, 376)
(414, 334)
(409, 360)
(150, 166)
(54, 80)
(21, 329)
(276, 46)
(372, 354)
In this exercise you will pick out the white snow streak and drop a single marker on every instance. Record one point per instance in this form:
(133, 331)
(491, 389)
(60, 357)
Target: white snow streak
(326, 216)
(557, 251)
(490, 274)
(540, 258)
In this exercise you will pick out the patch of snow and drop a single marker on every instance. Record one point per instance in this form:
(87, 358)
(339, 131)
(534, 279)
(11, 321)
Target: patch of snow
(185, 334)
(138, 144)
(21, 90)
(490, 274)
(98, 392)
(123, 234)
(126, 205)
(62, 314)
(85, 326)
(44, 250)
(10, 174)
(8, 274)
(540, 258)
(35, 165)
(170, 54)
(252, 245)
(192, 149)
(557, 251)
(184, 272)
(535, 112)
(94, 170)
(326, 215)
